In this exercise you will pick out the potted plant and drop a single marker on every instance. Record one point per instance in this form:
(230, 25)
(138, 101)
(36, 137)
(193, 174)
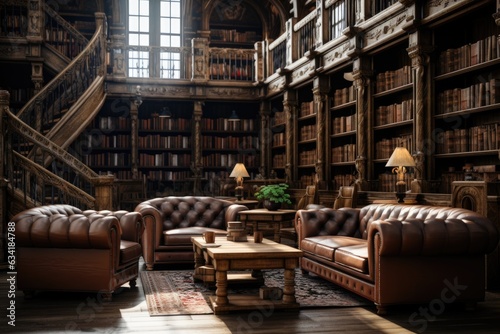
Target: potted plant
(273, 195)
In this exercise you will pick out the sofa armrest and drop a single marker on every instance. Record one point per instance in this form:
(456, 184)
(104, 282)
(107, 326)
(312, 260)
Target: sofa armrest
(470, 235)
(232, 212)
(327, 221)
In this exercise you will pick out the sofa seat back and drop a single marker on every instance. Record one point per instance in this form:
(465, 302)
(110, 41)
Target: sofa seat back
(189, 211)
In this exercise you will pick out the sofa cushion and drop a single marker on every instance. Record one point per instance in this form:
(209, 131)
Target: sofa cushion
(182, 236)
(325, 245)
(354, 257)
(129, 251)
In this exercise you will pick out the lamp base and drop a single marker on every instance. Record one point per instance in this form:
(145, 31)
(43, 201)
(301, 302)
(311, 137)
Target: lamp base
(400, 197)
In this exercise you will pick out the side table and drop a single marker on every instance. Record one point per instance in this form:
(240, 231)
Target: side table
(275, 218)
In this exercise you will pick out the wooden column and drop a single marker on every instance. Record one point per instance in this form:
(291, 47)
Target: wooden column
(418, 53)
(103, 186)
(134, 132)
(290, 108)
(320, 93)
(265, 139)
(363, 106)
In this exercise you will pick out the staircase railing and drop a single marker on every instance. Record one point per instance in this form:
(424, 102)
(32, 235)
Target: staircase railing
(49, 104)
(65, 179)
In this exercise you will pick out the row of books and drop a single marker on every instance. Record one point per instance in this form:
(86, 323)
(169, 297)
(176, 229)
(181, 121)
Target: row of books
(108, 159)
(478, 95)
(279, 160)
(14, 25)
(392, 79)
(165, 123)
(471, 54)
(477, 138)
(306, 108)
(308, 132)
(232, 143)
(387, 181)
(306, 180)
(229, 160)
(308, 157)
(397, 112)
(224, 124)
(232, 35)
(385, 147)
(158, 141)
(344, 124)
(223, 71)
(344, 153)
(164, 160)
(343, 180)
(53, 34)
(167, 175)
(113, 123)
(344, 95)
(113, 141)
(279, 139)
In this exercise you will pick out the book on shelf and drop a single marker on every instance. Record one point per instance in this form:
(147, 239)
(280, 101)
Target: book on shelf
(385, 146)
(471, 54)
(397, 112)
(474, 96)
(307, 157)
(344, 95)
(344, 124)
(308, 132)
(393, 79)
(306, 108)
(344, 153)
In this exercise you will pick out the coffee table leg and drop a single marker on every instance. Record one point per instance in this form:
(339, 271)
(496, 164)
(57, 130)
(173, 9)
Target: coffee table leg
(289, 289)
(221, 284)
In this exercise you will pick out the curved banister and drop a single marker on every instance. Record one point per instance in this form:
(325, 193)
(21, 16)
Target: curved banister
(18, 126)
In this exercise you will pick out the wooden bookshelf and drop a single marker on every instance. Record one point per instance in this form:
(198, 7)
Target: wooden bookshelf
(467, 89)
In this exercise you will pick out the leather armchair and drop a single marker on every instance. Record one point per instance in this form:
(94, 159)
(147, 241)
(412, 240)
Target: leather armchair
(171, 221)
(62, 248)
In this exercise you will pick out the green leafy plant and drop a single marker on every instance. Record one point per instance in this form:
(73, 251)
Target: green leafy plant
(276, 193)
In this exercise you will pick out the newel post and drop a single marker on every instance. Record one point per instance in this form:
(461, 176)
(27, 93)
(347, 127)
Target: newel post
(103, 186)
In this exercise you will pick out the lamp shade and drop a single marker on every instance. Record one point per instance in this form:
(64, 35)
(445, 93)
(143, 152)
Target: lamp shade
(400, 157)
(239, 170)
(165, 112)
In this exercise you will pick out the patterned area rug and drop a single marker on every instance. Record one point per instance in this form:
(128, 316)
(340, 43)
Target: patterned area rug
(175, 292)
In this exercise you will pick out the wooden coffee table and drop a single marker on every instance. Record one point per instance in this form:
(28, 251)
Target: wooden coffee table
(232, 255)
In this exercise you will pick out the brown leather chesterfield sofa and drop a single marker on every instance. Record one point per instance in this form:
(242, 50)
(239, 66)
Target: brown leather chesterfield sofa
(62, 248)
(171, 222)
(399, 254)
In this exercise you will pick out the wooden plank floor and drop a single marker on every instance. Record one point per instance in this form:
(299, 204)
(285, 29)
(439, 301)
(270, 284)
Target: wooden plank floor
(50, 312)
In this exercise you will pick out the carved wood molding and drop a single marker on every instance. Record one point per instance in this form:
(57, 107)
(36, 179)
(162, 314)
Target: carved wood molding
(41, 174)
(470, 195)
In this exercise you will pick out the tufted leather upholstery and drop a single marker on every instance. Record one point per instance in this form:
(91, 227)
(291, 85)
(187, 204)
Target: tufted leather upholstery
(60, 247)
(394, 254)
(172, 221)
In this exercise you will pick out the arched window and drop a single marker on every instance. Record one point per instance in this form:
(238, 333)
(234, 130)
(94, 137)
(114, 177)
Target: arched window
(154, 38)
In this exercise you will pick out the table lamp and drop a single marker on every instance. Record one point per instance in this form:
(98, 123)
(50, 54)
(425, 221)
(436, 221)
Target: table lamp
(239, 172)
(400, 159)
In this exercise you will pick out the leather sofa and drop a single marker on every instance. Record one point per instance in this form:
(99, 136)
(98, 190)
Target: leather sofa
(62, 248)
(171, 221)
(399, 254)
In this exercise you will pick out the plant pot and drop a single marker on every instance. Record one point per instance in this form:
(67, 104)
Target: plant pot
(272, 206)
